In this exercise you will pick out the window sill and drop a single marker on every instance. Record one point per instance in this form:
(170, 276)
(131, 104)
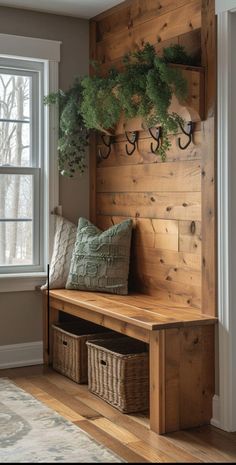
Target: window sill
(22, 282)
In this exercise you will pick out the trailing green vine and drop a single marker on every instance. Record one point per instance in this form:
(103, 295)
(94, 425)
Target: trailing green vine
(73, 134)
(144, 88)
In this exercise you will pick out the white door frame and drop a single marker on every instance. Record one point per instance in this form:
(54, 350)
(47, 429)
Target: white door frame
(226, 130)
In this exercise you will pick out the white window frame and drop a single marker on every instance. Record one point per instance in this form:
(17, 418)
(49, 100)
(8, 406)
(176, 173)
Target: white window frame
(48, 53)
(224, 411)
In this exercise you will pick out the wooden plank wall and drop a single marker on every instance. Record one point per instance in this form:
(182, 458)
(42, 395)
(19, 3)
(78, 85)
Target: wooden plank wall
(164, 199)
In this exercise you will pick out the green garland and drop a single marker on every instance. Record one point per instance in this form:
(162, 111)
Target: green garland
(73, 134)
(143, 88)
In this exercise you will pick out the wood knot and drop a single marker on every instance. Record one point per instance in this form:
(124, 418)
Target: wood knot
(130, 23)
(168, 209)
(196, 341)
(193, 227)
(184, 204)
(153, 199)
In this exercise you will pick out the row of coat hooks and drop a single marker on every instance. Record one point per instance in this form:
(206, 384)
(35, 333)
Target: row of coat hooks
(156, 134)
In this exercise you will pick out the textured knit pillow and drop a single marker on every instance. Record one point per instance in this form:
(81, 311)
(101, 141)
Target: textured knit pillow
(100, 260)
(64, 241)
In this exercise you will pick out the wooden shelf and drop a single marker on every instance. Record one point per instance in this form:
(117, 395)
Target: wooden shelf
(192, 109)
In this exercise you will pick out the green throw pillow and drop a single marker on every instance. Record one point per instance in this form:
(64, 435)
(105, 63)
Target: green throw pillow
(100, 260)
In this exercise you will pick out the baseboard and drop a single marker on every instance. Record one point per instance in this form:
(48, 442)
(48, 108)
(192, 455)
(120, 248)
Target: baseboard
(21, 355)
(215, 421)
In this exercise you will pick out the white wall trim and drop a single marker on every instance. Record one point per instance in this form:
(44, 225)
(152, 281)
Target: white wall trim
(215, 421)
(21, 355)
(226, 223)
(48, 51)
(20, 283)
(225, 5)
(30, 47)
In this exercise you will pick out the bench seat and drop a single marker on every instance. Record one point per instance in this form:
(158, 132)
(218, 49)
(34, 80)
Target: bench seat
(137, 309)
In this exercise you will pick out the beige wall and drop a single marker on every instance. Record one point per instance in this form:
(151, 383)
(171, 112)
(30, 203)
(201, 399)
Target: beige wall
(20, 317)
(20, 313)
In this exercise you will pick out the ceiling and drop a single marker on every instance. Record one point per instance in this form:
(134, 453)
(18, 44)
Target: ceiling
(79, 8)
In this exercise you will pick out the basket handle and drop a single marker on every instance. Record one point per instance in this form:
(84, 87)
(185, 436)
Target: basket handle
(103, 362)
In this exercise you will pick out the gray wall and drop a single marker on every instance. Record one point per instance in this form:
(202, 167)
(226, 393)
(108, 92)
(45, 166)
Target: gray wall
(21, 312)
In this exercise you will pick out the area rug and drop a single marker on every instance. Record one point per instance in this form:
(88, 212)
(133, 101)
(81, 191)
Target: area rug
(30, 432)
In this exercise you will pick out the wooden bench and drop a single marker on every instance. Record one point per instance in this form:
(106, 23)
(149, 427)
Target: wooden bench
(181, 349)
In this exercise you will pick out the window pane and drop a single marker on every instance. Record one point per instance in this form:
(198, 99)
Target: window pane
(16, 196)
(15, 95)
(16, 243)
(15, 144)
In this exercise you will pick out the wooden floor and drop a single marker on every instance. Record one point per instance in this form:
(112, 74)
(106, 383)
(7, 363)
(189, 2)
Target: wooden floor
(128, 436)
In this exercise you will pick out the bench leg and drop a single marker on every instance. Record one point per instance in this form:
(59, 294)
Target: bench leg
(48, 320)
(157, 381)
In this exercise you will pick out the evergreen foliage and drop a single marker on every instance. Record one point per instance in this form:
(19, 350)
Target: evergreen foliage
(73, 134)
(143, 88)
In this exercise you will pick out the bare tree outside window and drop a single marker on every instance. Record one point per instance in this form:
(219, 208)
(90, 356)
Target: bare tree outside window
(16, 208)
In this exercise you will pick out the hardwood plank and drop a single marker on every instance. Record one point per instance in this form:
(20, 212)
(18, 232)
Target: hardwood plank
(154, 441)
(209, 202)
(155, 305)
(165, 234)
(208, 372)
(161, 234)
(157, 382)
(169, 205)
(172, 379)
(116, 324)
(169, 291)
(221, 443)
(116, 431)
(166, 177)
(148, 263)
(169, 258)
(209, 254)
(49, 400)
(151, 455)
(203, 452)
(190, 40)
(111, 442)
(59, 394)
(133, 14)
(68, 300)
(190, 377)
(157, 29)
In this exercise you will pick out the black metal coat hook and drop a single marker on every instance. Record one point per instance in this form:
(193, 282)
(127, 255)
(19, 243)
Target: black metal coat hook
(108, 144)
(188, 133)
(157, 138)
(132, 141)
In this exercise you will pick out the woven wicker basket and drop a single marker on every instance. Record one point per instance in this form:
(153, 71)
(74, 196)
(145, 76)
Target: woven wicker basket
(118, 372)
(70, 353)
